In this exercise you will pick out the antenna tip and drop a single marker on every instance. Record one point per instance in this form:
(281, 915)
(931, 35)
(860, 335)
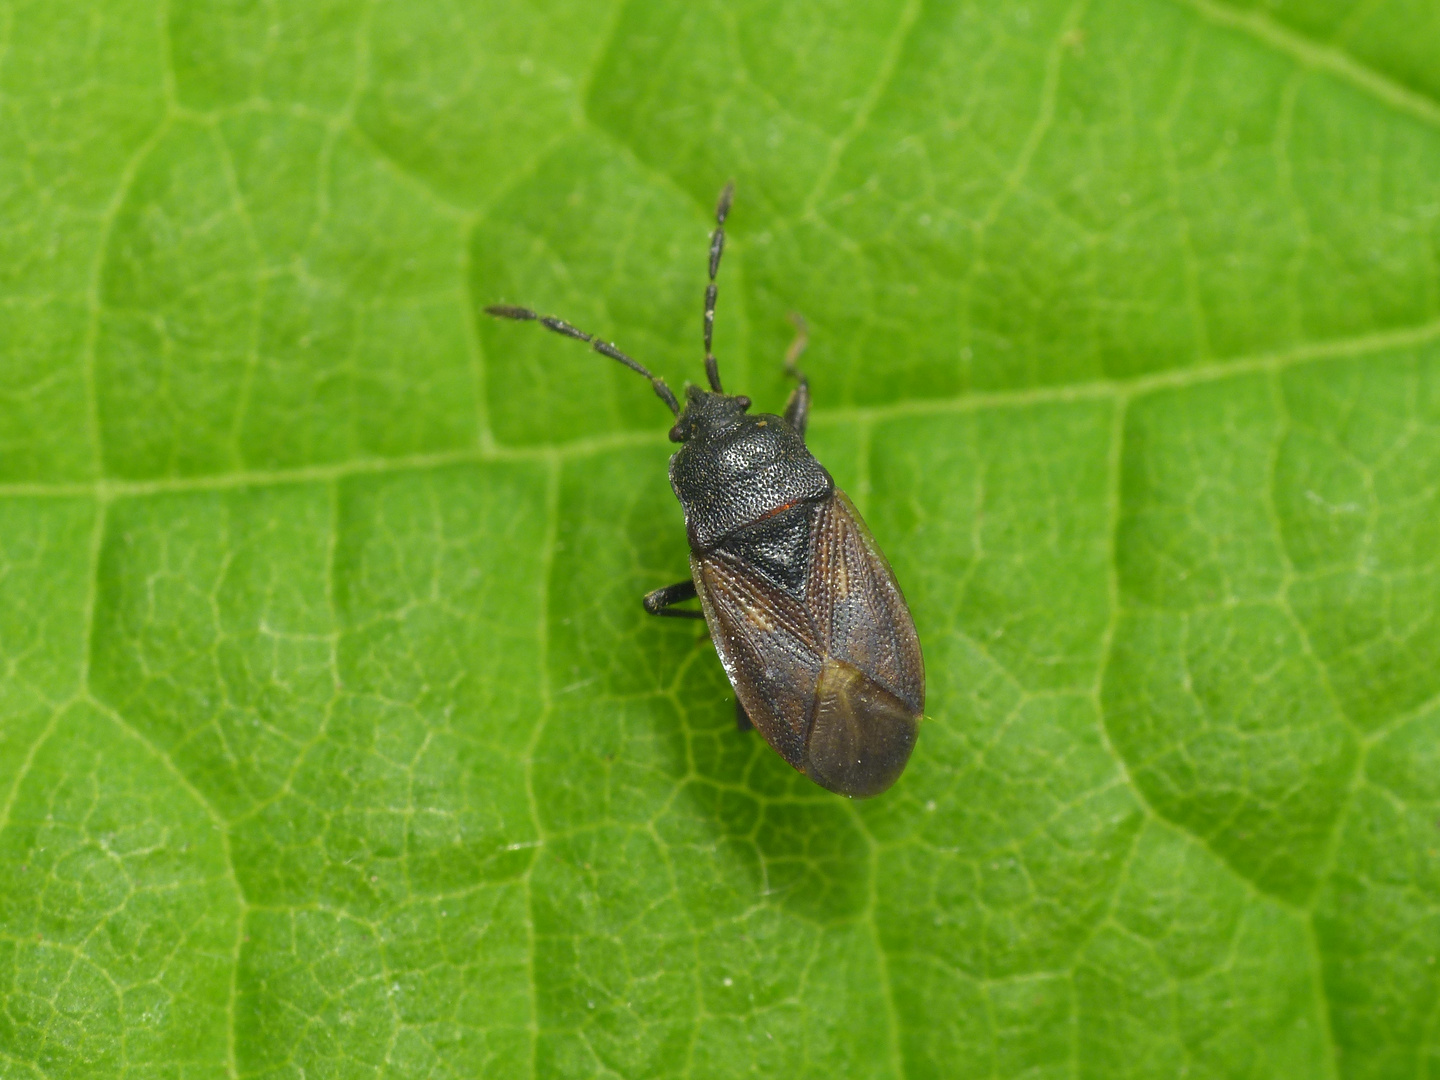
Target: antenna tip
(723, 206)
(508, 311)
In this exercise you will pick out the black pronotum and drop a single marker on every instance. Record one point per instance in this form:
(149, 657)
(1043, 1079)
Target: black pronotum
(802, 606)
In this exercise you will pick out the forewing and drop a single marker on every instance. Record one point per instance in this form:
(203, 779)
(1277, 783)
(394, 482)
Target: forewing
(857, 607)
(862, 734)
(768, 643)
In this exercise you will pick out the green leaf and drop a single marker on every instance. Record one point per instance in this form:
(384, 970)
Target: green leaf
(333, 739)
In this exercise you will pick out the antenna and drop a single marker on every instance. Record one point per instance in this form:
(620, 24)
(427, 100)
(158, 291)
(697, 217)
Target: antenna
(717, 248)
(560, 326)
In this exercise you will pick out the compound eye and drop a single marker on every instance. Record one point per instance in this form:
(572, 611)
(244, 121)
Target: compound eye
(675, 435)
(742, 401)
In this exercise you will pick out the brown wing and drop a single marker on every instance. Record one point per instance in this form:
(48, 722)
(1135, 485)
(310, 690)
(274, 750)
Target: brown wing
(862, 734)
(858, 608)
(769, 646)
(871, 690)
(832, 677)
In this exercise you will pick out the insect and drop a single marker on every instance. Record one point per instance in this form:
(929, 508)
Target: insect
(804, 610)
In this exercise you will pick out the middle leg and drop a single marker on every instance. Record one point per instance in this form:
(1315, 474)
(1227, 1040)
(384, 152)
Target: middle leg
(662, 601)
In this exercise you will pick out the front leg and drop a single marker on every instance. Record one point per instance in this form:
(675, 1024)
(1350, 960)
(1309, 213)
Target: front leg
(661, 601)
(797, 409)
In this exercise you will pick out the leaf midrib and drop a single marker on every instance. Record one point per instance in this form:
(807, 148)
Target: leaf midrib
(1118, 390)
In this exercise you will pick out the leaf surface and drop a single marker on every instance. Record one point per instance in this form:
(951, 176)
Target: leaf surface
(333, 738)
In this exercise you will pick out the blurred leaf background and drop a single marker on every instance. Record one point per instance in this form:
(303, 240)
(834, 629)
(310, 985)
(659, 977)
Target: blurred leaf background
(333, 739)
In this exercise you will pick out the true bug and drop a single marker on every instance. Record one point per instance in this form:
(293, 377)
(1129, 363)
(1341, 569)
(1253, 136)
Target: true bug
(803, 608)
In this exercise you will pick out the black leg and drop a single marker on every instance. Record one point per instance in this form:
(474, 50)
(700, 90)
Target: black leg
(797, 409)
(742, 718)
(659, 602)
(717, 248)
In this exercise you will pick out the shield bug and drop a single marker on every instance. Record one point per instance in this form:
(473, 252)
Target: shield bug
(803, 608)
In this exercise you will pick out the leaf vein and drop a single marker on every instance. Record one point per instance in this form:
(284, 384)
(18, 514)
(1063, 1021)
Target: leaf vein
(1329, 59)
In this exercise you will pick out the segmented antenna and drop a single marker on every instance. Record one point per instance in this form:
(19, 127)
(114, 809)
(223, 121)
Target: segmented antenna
(560, 326)
(717, 248)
